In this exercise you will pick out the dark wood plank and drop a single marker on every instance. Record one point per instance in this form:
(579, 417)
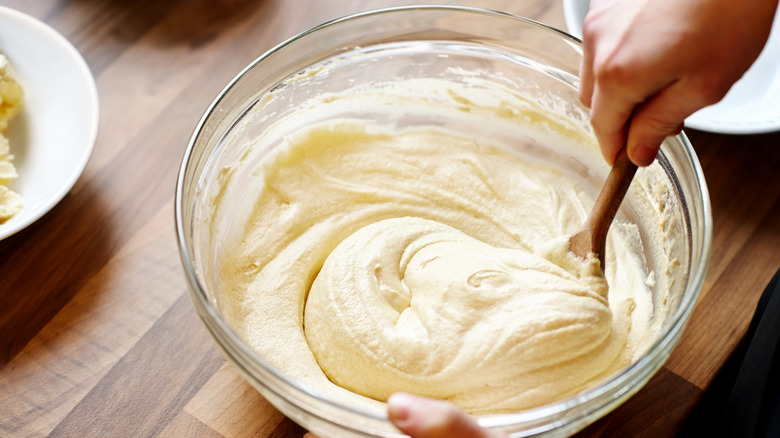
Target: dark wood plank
(741, 174)
(151, 384)
(721, 318)
(657, 410)
(287, 429)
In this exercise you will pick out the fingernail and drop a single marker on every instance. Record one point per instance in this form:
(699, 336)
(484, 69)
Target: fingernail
(399, 407)
(643, 155)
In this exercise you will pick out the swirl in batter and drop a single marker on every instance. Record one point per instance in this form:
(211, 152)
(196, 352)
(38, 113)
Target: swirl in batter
(379, 260)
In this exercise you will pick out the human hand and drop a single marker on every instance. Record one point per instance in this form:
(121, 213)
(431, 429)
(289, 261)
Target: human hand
(421, 417)
(649, 64)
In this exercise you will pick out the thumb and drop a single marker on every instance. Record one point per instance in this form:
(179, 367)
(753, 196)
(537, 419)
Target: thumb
(422, 417)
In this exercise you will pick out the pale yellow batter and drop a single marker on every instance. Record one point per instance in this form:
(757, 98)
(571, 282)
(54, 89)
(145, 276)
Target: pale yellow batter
(378, 259)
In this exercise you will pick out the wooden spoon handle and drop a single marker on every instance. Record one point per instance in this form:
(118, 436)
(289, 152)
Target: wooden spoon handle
(610, 198)
(592, 238)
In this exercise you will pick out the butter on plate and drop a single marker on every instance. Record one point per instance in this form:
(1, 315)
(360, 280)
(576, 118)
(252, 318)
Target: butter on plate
(11, 103)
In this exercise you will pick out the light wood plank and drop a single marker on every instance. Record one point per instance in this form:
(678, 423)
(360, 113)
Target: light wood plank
(185, 425)
(232, 407)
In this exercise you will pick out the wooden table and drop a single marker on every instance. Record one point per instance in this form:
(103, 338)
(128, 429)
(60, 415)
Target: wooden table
(98, 336)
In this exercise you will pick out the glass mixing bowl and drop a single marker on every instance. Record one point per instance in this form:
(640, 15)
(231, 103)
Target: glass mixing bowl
(458, 44)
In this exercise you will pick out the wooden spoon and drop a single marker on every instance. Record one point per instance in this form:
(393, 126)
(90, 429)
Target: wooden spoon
(592, 237)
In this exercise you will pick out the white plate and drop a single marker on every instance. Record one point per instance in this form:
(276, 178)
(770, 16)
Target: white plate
(752, 106)
(52, 139)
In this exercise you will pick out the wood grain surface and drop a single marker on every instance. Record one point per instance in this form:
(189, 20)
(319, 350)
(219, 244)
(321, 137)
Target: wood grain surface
(98, 337)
